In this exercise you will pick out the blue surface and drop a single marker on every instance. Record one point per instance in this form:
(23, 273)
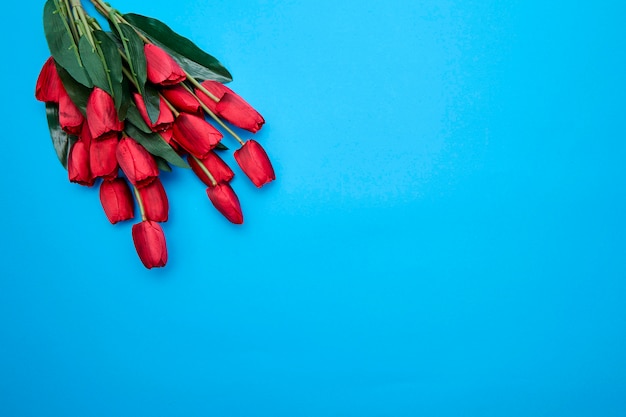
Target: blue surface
(446, 236)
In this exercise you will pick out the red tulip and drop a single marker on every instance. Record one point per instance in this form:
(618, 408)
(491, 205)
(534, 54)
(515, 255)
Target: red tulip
(215, 165)
(217, 89)
(255, 163)
(150, 244)
(154, 201)
(161, 67)
(195, 135)
(78, 165)
(70, 117)
(182, 99)
(49, 85)
(168, 136)
(226, 202)
(138, 165)
(165, 119)
(103, 158)
(102, 116)
(231, 107)
(117, 200)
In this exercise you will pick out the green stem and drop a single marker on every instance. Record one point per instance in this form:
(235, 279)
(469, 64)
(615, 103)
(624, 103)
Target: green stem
(205, 170)
(201, 87)
(116, 19)
(213, 115)
(79, 13)
(170, 105)
(72, 25)
(142, 210)
(131, 78)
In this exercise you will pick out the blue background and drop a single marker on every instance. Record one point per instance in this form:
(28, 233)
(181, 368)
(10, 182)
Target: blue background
(446, 236)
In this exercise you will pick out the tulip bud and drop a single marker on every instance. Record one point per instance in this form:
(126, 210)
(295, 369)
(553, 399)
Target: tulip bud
(215, 165)
(255, 163)
(165, 119)
(182, 99)
(234, 110)
(226, 202)
(117, 200)
(161, 67)
(150, 244)
(231, 107)
(102, 116)
(154, 201)
(78, 165)
(195, 135)
(103, 158)
(70, 118)
(138, 165)
(49, 85)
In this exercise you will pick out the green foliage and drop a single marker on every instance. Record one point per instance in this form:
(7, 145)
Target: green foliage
(61, 42)
(192, 59)
(61, 140)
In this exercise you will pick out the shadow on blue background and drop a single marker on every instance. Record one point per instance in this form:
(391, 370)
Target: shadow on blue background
(445, 237)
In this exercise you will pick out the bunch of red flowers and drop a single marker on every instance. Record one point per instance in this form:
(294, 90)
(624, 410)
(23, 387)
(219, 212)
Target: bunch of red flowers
(125, 104)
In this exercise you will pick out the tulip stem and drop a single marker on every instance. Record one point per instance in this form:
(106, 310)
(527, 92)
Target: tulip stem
(213, 115)
(81, 16)
(205, 170)
(142, 210)
(173, 109)
(72, 24)
(130, 77)
(201, 87)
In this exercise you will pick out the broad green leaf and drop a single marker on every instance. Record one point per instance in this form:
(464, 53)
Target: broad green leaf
(220, 147)
(156, 145)
(113, 66)
(193, 59)
(133, 116)
(77, 92)
(61, 141)
(61, 42)
(137, 58)
(152, 100)
(194, 69)
(93, 64)
(126, 100)
(162, 164)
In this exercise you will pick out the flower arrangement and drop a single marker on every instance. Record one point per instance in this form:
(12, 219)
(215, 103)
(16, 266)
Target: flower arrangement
(125, 104)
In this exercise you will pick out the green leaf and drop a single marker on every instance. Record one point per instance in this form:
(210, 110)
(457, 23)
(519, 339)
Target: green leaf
(194, 69)
(162, 164)
(193, 59)
(137, 63)
(93, 65)
(152, 100)
(126, 100)
(61, 42)
(61, 140)
(113, 66)
(220, 147)
(77, 92)
(134, 117)
(136, 56)
(156, 145)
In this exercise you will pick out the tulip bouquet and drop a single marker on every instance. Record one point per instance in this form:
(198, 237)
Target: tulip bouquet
(136, 99)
